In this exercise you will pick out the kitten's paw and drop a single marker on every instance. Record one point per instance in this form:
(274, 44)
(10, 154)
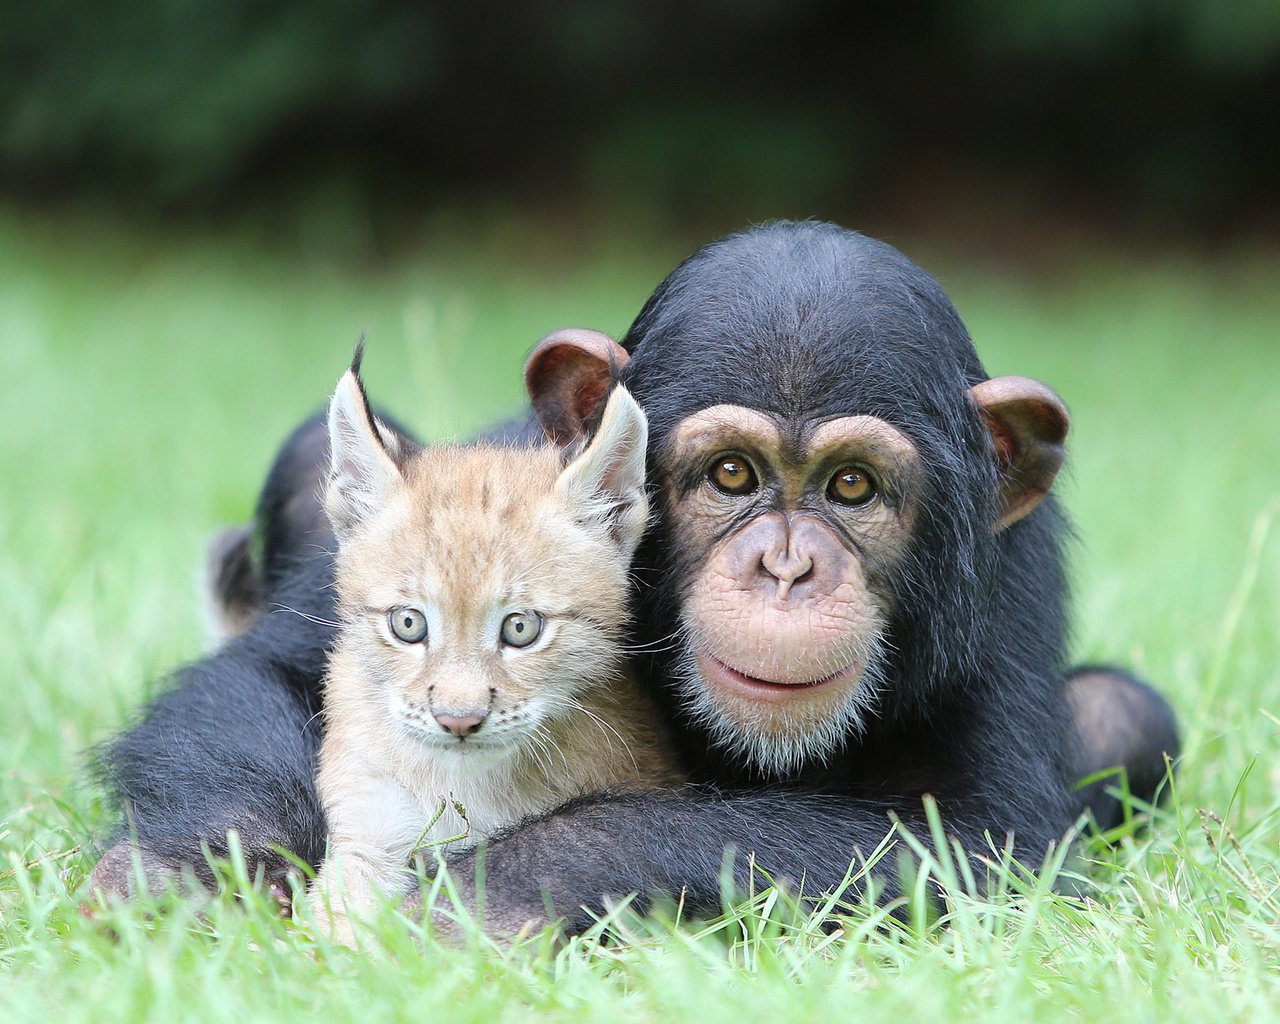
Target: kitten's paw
(334, 911)
(340, 928)
(328, 919)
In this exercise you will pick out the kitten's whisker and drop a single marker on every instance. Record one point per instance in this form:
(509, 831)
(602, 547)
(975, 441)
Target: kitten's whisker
(539, 750)
(547, 742)
(277, 607)
(319, 712)
(673, 641)
(605, 728)
(665, 643)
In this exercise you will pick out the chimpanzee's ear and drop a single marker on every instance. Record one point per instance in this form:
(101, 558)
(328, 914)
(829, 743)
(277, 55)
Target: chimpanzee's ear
(605, 483)
(1028, 424)
(568, 376)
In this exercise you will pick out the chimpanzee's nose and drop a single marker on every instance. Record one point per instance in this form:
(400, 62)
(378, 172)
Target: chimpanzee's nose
(787, 566)
(460, 725)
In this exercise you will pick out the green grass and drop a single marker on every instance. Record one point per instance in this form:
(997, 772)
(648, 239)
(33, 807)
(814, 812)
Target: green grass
(147, 378)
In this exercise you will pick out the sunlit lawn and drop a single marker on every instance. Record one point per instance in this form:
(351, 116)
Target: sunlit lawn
(147, 377)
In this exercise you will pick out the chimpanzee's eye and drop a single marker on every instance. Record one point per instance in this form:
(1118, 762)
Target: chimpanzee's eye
(520, 629)
(408, 624)
(732, 474)
(851, 485)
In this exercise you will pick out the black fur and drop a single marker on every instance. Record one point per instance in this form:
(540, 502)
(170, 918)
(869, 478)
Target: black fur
(231, 742)
(808, 321)
(1125, 729)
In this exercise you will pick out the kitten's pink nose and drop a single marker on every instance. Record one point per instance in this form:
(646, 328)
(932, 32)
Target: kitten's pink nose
(460, 725)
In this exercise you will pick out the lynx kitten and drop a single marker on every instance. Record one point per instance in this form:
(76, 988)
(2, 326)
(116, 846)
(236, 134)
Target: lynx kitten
(478, 677)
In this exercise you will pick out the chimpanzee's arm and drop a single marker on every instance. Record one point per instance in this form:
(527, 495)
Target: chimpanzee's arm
(652, 844)
(994, 769)
(231, 745)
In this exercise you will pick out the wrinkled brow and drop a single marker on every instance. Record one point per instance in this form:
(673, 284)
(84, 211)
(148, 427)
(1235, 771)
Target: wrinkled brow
(724, 426)
(872, 435)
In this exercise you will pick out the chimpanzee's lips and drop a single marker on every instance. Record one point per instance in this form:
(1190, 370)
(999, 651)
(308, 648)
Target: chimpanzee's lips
(716, 671)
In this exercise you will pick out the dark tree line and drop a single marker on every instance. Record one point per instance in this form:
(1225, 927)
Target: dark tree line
(1165, 104)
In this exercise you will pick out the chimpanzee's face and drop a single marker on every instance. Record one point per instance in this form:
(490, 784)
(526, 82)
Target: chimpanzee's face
(786, 552)
(829, 466)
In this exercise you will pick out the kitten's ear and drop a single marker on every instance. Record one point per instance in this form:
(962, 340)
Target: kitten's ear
(605, 482)
(362, 457)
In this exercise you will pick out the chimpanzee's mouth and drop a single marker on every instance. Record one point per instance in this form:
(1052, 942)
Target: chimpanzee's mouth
(716, 671)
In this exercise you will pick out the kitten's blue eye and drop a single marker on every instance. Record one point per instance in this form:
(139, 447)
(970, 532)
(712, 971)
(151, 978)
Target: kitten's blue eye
(408, 624)
(520, 629)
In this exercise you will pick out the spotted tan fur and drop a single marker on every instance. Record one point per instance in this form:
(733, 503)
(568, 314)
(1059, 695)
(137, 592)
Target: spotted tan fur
(470, 535)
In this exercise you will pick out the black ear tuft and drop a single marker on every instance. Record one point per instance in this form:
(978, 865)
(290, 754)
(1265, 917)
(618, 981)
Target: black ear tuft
(386, 439)
(357, 357)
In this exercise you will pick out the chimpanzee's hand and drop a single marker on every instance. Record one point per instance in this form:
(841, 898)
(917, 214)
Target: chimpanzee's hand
(127, 871)
(501, 913)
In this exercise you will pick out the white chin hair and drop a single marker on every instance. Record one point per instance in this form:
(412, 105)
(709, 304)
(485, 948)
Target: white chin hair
(779, 752)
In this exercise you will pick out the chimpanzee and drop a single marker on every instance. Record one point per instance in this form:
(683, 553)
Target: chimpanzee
(853, 595)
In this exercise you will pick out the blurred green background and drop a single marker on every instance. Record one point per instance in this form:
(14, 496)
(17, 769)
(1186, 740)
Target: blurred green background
(203, 204)
(1151, 114)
